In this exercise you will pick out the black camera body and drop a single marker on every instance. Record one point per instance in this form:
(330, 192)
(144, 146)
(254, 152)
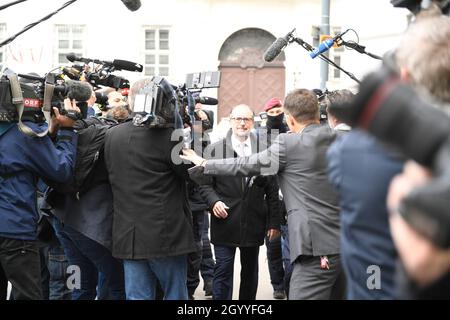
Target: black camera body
(33, 88)
(161, 104)
(157, 105)
(32, 100)
(101, 74)
(322, 98)
(108, 80)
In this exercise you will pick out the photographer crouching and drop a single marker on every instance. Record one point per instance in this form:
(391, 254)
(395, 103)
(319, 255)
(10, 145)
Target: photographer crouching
(22, 160)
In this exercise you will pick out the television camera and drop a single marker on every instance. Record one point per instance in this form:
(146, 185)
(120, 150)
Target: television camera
(100, 74)
(161, 104)
(29, 97)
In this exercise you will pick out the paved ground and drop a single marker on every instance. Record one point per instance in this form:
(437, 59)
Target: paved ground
(265, 290)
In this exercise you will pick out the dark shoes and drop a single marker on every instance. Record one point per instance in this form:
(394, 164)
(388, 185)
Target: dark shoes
(279, 294)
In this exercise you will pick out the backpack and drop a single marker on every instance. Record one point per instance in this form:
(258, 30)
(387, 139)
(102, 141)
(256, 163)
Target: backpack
(90, 169)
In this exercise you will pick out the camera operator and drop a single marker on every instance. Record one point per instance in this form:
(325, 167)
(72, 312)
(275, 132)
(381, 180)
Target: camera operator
(22, 160)
(152, 225)
(83, 220)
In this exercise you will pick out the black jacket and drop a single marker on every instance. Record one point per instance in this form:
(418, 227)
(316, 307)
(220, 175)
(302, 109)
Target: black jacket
(152, 218)
(196, 201)
(250, 215)
(91, 212)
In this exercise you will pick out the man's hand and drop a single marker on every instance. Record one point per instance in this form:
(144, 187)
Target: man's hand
(220, 210)
(190, 155)
(63, 121)
(272, 234)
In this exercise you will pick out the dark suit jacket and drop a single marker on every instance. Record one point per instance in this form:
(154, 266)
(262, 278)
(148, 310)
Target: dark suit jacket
(311, 203)
(152, 218)
(249, 216)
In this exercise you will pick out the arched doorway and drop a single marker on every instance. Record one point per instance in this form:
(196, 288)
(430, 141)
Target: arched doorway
(246, 77)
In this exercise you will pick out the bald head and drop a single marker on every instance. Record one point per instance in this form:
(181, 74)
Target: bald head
(241, 121)
(242, 108)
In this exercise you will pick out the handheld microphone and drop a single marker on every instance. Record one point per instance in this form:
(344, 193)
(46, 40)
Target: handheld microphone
(323, 47)
(326, 45)
(132, 5)
(277, 47)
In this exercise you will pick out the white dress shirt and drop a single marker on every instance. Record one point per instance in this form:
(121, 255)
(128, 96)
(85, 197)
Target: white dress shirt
(243, 149)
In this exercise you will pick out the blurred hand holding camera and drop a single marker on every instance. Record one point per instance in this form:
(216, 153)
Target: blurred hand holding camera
(64, 120)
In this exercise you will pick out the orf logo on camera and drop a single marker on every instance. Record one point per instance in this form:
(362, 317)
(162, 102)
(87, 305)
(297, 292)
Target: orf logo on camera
(32, 103)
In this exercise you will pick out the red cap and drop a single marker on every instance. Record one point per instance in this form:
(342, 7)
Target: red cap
(272, 103)
(125, 91)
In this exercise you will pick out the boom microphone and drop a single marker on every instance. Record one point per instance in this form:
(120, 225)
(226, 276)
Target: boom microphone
(127, 65)
(72, 57)
(117, 64)
(132, 5)
(206, 101)
(275, 49)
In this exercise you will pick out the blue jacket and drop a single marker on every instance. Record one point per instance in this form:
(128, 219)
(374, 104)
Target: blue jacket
(361, 169)
(22, 160)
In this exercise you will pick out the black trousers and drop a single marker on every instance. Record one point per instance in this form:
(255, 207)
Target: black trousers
(275, 263)
(195, 258)
(224, 270)
(21, 265)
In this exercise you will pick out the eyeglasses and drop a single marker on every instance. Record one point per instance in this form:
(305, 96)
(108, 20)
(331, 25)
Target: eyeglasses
(239, 119)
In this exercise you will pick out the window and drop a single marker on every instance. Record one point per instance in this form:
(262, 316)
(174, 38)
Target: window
(335, 55)
(336, 71)
(156, 51)
(2, 50)
(69, 38)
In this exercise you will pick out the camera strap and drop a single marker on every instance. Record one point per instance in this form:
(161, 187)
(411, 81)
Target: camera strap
(17, 100)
